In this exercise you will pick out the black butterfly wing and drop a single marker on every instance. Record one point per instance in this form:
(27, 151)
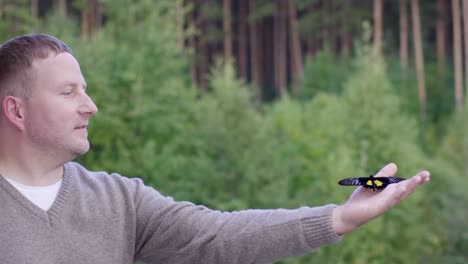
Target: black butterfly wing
(355, 181)
(394, 179)
(374, 183)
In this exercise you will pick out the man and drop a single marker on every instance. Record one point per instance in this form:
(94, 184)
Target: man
(56, 211)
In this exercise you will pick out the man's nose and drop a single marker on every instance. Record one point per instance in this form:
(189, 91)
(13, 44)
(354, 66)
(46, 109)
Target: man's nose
(88, 107)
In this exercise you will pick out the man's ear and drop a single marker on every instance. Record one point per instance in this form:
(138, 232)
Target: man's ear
(13, 110)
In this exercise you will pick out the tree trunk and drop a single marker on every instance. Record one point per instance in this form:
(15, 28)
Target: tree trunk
(280, 43)
(91, 17)
(95, 13)
(457, 49)
(418, 51)
(325, 13)
(441, 36)
(404, 44)
(346, 36)
(202, 48)
(180, 24)
(378, 26)
(35, 9)
(243, 41)
(314, 40)
(297, 68)
(333, 28)
(62, 7)
(256, 55)
(85, 21)
(465, 34)
(227, 27)
(192, 44)
(276, 49)
(403, 37)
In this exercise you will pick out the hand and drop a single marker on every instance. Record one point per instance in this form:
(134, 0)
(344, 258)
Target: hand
(364, 205)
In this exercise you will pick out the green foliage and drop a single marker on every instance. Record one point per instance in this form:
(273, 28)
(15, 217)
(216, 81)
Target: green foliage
(377, 126)
(455, 145)
(137, 77)
(440, 98)
(323, 73)
(263, 9)
(312, 133)
(15, 19)
(355, 134)
(65, 29)
(212, 14)
(449, 197)
(225, 169)
(317, 17)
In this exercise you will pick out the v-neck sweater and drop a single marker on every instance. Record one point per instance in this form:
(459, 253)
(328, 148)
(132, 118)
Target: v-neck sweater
(42, 196)
(99, 217)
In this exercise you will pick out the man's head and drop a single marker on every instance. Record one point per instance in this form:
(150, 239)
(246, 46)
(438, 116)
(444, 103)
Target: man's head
(43, 96)
(16, 58)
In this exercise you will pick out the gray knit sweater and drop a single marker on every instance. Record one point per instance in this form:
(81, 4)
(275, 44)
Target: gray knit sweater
(109, 219)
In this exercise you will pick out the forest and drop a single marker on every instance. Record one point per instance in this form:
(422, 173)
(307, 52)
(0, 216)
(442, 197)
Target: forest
(237, 104)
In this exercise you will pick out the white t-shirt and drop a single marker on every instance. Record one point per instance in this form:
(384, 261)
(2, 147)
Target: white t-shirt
(42, 196)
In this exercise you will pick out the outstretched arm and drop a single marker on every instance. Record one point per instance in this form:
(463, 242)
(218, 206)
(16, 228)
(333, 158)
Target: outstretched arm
(365, 205)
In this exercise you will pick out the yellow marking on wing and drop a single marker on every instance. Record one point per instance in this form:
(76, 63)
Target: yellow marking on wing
(369, 183)
(378, 183)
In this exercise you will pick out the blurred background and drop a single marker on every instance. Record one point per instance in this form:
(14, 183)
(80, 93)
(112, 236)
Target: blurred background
(239, 104)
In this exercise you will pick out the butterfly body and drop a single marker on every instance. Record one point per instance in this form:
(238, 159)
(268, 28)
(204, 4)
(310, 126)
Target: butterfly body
(371, 182)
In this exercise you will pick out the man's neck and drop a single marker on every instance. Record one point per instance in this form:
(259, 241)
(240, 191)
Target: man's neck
(33, 178)
(30, 171)
(27, 164)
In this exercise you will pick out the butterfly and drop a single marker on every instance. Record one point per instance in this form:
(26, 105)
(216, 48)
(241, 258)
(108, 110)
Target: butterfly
(371, 182)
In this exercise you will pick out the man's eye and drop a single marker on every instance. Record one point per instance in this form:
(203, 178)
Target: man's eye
(67, 93)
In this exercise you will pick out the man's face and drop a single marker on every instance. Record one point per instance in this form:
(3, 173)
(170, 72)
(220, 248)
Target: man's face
(56, 115)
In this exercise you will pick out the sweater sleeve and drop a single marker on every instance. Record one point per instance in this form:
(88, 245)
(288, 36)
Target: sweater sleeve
(181, 232)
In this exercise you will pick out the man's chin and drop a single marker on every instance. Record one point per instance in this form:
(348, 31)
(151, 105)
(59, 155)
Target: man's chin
(81, 150)
(84, 151)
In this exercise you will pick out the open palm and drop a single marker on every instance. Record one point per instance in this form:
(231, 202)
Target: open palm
(364, 205)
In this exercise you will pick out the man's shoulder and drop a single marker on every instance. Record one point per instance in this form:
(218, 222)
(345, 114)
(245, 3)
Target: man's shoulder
(83, 175)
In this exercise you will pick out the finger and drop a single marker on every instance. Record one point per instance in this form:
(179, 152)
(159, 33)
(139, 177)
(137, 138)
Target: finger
(421, 178)
(418, 179)
(424, 176)
(402, 189)
(388, 170)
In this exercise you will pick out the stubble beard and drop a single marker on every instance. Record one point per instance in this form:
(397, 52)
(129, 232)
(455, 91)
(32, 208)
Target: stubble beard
(60, 150)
